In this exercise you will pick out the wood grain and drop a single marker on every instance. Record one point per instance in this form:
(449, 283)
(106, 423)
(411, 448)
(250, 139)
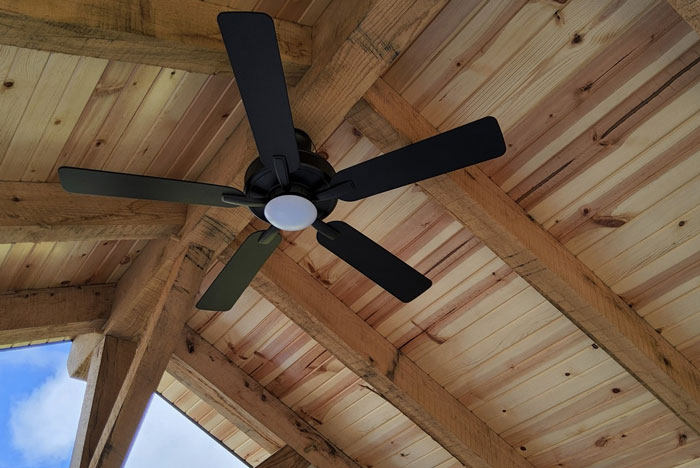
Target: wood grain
(52, 313)
(150, 360)
(108, 368)
(551, 269)
(44, 212)
(81, 351)
(689, 11)
(224, 386)
(152, 32)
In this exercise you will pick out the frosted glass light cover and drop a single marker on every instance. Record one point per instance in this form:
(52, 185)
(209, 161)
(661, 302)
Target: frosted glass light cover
(290, 212)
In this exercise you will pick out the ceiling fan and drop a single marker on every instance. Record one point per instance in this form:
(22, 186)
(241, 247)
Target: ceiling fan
(291, 187)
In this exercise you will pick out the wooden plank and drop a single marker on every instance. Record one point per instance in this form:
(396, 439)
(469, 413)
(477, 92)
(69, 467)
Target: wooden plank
(112, 358)
(689, 11)
(150, 360)
(64, 118)
(285, 457)
(53, 313)
(83, 136)
(392, 374)
(637, 59)
(54, 79)
(542, 261)
(41, 212)
(226, 388)
(152, 32)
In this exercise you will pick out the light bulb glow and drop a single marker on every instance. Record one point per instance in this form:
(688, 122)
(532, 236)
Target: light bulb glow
(290, 212)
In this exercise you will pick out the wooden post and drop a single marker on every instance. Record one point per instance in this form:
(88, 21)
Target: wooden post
(150, 359)
(109, 365)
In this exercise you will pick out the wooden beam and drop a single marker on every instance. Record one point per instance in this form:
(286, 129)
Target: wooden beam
(540, 259)
(108, 368)
(150, 360)
(39, 314)
(81, 350)
(218, 398)
(151, 32)
(319, 103)
(215, 379)
(285, 457)
(44, 212)
(689, 11)
(392, 374)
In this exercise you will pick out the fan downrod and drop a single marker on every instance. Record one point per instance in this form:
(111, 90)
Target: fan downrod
(314, 174)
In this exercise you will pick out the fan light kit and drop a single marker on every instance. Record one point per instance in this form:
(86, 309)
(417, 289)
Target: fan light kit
(289, 185)
(290, 212)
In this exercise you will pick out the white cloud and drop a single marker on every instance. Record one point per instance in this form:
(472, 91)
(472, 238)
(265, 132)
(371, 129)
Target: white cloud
(44, 424)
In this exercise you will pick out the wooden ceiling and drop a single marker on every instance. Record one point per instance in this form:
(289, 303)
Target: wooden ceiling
(563, 326)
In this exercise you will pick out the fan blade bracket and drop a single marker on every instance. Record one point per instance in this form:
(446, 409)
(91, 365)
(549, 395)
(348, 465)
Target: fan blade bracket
(326, 229)
(279, 164)
(268, 235)
(240, 200)
(335, 191)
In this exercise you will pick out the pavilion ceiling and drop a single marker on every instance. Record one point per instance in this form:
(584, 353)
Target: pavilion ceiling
(599, 103)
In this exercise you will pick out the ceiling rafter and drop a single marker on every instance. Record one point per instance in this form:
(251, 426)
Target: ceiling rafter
(208, 373)
(199, 381)
(150, 32)
(144, 282)
(40, 314)
(44, 212)
(540, 259)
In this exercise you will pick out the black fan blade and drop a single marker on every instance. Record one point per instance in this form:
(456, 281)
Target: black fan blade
(238, 272)
(252, 48)
(461, 147)
(373, 261)
(117, 184)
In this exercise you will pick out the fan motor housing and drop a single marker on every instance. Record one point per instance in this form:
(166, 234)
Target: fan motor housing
(314, 174)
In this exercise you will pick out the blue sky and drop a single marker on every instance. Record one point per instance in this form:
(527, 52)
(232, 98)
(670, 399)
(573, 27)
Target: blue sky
(40, 406)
